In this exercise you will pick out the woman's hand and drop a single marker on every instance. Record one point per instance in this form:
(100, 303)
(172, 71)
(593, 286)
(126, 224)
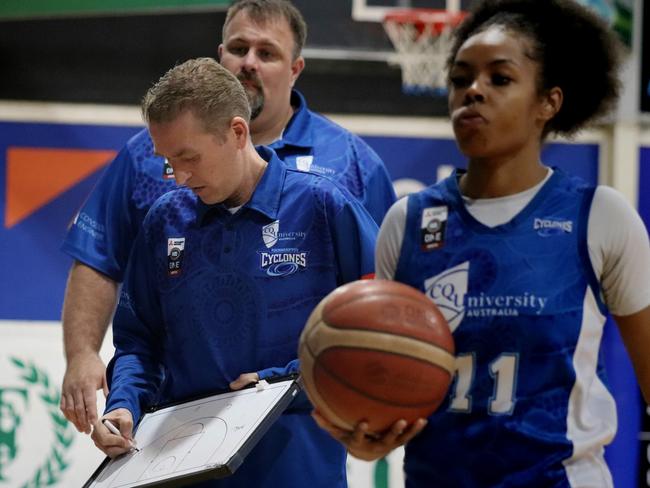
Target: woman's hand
(368, 446)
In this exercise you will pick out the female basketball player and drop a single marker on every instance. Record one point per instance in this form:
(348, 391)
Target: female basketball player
(524, 260)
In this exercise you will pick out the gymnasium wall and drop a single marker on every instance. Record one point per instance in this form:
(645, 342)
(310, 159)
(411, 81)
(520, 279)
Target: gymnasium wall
(644, 210)
(50, 157)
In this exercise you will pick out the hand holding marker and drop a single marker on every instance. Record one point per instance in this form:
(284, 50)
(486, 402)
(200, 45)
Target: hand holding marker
(109, 425)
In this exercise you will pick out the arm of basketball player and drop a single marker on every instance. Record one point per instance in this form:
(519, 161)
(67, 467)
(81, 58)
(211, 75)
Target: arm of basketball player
(112, 444)
(620, 253)
(635, 332)
(370, 447)
(389, 240)
(87, 309)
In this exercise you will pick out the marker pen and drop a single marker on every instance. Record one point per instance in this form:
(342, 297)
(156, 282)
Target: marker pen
(110, 426)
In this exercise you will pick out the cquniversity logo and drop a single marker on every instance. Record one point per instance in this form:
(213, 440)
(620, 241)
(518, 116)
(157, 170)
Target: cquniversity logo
(448, 290)
(303, 163)
(270, 234)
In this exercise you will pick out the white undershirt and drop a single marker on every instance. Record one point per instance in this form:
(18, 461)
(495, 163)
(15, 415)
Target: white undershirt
(497, 211)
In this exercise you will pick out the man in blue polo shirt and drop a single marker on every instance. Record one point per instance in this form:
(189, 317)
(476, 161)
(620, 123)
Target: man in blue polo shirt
(226, 271)
(262, 42)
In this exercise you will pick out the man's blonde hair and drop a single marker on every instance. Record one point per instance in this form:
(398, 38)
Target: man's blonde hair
(204, 87)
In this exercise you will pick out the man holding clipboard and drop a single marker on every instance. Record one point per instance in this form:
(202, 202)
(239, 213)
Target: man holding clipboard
(224, 274)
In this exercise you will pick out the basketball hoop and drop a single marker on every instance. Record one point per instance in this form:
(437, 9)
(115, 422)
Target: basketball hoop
(422, 39)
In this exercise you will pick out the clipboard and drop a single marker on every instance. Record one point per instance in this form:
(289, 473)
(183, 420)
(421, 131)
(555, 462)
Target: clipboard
(197, 440)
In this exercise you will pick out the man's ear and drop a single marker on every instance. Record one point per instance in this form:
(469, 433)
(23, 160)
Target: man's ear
(219, 52)
(241, 131)
(296, 68)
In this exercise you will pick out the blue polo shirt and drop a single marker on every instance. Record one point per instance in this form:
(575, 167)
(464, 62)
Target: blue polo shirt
(104, 229)
(312, 142)
(209, 295)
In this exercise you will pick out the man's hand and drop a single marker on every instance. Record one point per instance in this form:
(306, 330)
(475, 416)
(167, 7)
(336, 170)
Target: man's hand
(84, 375)
(369, 447)
(112, 444)
(243, 380)
(88, 305)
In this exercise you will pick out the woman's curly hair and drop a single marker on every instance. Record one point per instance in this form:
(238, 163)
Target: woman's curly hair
(576, 51)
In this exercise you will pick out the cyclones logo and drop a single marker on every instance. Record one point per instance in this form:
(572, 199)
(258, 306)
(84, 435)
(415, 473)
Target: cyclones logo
(283, 263)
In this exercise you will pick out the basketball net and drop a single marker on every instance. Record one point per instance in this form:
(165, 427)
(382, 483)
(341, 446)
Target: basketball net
(422, 39)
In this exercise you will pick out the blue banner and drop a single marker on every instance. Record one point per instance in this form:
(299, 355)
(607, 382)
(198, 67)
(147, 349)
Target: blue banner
(43, 182)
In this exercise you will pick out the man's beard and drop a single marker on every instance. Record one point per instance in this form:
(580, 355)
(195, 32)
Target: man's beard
(256, 101)
(254, 92)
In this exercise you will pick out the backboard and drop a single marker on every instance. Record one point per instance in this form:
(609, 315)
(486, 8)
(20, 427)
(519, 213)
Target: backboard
(352, 29)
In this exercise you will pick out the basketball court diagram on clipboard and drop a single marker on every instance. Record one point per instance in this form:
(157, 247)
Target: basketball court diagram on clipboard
(209, 436)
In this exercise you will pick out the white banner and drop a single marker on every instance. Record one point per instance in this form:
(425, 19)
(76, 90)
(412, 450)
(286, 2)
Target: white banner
(38, 446)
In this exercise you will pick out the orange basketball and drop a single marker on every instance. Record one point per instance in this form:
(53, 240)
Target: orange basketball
(376, 350)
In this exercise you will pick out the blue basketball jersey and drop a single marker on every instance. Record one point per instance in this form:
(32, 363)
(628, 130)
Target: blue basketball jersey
(528, 406)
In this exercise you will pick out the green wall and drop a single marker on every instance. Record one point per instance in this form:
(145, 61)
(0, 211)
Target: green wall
(15, 9)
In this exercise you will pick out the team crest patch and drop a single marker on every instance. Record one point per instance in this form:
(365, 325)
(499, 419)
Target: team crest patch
(270, 234)
(433, 227)
(168, 171)
(175, 250)
(303, 163)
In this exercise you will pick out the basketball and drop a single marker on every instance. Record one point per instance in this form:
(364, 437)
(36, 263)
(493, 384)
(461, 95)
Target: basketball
(376, 350)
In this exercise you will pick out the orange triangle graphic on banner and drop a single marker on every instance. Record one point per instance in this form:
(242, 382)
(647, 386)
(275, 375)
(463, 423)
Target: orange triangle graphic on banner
(37, 176)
